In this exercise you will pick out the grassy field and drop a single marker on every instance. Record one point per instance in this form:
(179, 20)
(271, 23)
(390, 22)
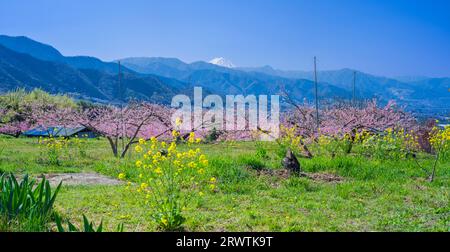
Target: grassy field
(371, 195)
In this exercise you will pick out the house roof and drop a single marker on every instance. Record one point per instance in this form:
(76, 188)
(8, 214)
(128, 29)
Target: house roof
(53, 131)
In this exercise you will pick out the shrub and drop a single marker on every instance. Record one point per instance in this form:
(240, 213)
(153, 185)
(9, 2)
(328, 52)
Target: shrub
(440, 142)
(291, 140)
(328, 144)
(213, 135)
(53, 148)
(168, 177)
(80, 145)
(392, 144)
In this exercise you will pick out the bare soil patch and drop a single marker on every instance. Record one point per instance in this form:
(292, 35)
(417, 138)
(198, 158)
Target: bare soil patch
(319, 177)
(80, 179)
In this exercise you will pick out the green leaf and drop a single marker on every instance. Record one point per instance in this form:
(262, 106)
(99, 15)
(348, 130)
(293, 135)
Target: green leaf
(59, 224)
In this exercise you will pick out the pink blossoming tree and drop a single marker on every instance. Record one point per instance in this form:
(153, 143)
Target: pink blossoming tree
(120, 126)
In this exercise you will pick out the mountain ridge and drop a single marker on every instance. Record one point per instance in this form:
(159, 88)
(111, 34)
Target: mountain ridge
(157, 79)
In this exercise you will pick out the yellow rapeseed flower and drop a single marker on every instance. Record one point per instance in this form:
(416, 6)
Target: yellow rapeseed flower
(175, 133)
(138, 149)
(144, 186)
(178, 121)
(172, 147)
(158, 171)
(164, 221)
(191, 138)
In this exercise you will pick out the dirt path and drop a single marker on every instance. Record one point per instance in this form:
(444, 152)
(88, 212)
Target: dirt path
(80, 179)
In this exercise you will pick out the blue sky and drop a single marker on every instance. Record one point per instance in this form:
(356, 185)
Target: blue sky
(391, 37)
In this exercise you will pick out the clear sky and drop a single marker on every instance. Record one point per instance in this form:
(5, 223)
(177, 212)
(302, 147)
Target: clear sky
(385, 37)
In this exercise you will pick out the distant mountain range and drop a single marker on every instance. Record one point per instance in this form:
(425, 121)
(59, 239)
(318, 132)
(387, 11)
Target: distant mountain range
(25, 63)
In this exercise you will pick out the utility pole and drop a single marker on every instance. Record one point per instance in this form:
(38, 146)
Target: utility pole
(354, 88)
(317, 96)
(120, 83)
(121, 107)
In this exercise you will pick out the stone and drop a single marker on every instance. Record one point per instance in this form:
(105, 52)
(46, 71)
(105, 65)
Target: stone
(290, 162)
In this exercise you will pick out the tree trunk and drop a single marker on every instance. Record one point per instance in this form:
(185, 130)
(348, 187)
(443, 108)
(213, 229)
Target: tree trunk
(113, 146)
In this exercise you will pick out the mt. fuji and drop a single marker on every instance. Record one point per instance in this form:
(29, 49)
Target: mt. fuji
(220, 61)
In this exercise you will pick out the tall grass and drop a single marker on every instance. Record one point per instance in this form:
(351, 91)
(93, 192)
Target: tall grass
(25, 206)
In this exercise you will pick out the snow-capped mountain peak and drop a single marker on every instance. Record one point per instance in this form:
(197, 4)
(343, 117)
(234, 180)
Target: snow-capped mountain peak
(220, 61)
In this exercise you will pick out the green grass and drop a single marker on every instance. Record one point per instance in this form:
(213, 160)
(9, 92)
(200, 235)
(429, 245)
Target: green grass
(375, 195)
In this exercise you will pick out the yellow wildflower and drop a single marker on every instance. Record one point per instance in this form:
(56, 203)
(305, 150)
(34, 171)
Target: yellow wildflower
(172, 147)
(192, 165)
(144, 186)
(158, 171)
(191, 138)
(138, 149)
(178, 121)
(175, 133)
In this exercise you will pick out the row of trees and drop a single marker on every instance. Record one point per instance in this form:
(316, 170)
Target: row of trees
(21, 111)
(122, 126)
